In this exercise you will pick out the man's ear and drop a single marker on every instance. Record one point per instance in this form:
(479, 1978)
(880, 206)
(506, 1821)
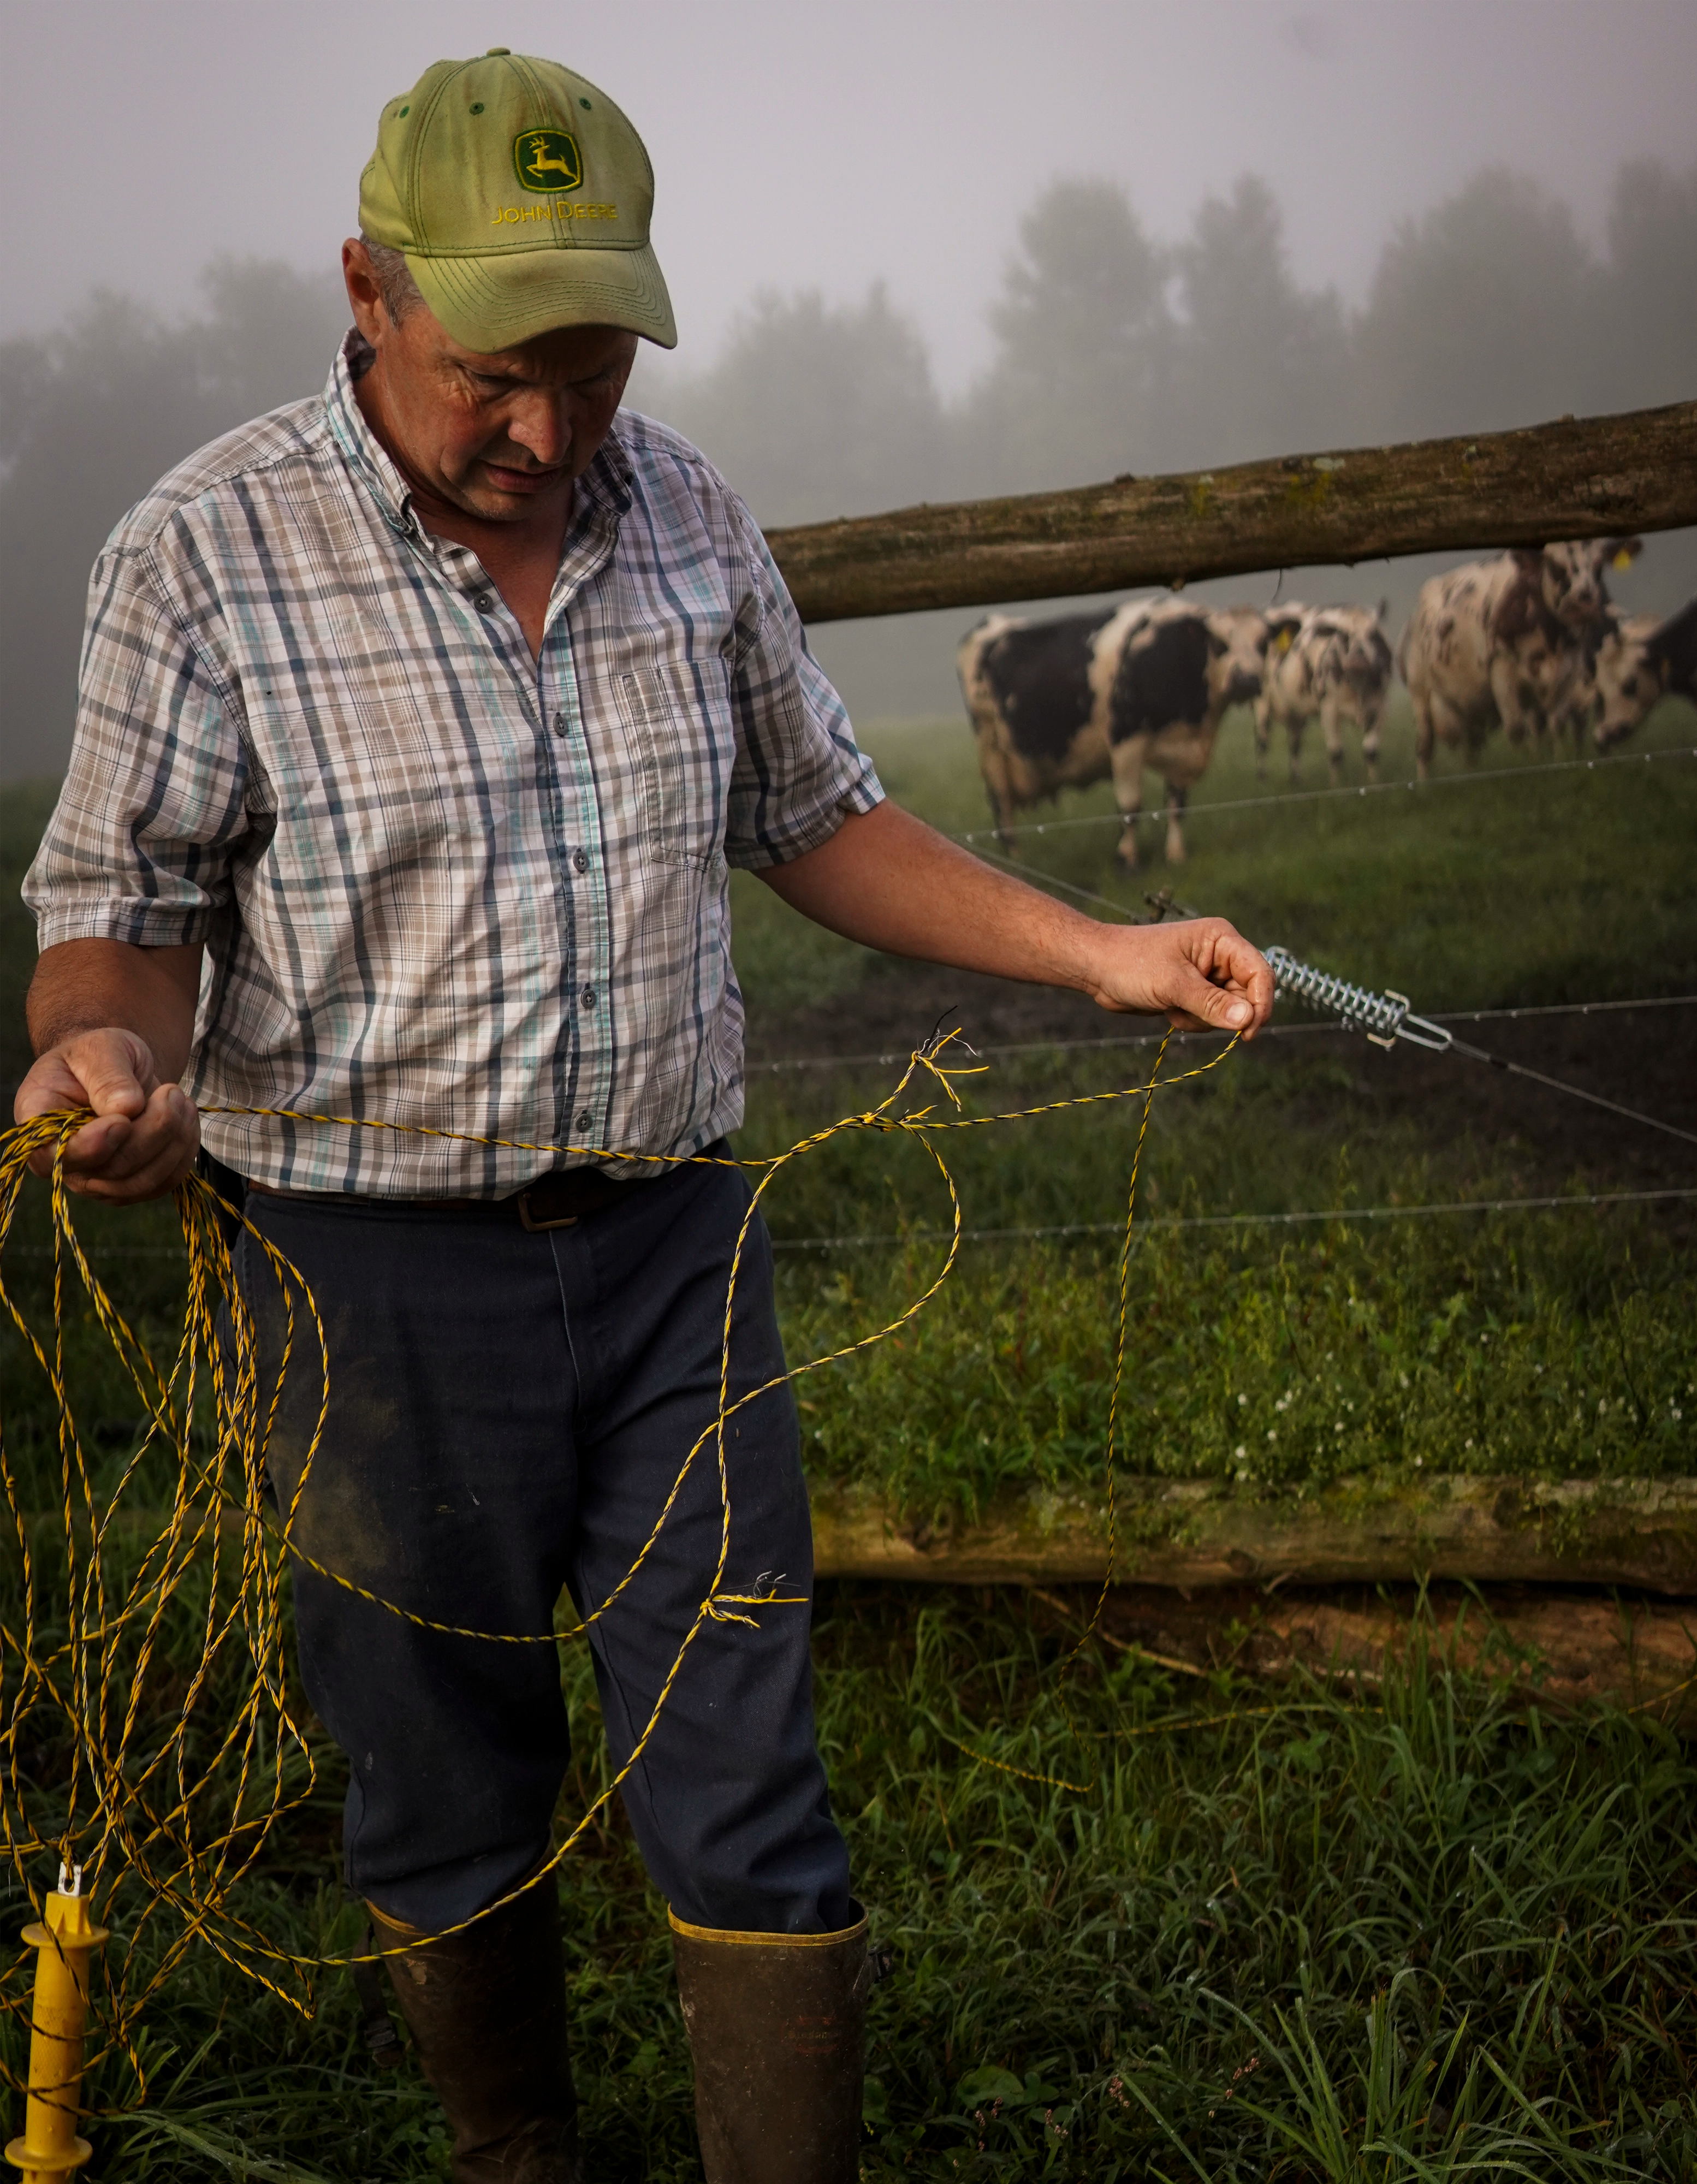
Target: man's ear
(364, 296)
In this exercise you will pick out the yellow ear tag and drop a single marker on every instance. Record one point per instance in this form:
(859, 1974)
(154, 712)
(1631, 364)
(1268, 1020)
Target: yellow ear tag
(1285, 639)
(1623, 559)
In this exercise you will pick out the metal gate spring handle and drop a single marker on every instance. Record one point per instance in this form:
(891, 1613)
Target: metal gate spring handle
(1384, 1017)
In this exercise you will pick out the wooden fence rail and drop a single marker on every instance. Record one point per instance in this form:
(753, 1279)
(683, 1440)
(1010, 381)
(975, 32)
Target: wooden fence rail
(1585, 477)
(1196, 1534)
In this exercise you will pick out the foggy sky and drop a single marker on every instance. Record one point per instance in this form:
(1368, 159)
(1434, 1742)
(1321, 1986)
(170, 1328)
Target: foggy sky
(825, 145)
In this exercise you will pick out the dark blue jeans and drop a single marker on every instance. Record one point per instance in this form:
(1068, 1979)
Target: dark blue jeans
(507, 1414)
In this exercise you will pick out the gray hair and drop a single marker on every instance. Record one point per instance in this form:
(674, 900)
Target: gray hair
(394, 279)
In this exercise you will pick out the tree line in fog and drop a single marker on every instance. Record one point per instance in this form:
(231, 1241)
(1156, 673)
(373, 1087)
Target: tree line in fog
(1115, 352)
(1112, 351)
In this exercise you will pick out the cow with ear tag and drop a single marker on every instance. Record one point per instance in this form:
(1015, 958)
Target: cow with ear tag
(1335, 662)
(1502, 643)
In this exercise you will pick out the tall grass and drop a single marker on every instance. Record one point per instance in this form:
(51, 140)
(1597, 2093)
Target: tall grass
(1438, 1936)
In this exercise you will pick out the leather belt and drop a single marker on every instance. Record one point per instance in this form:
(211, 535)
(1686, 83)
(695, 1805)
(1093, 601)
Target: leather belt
(565, 1195)
(558, 1199)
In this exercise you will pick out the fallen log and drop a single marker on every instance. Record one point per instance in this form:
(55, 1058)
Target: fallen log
(1563, 1650)
(1586, 477)
(1191, 1535)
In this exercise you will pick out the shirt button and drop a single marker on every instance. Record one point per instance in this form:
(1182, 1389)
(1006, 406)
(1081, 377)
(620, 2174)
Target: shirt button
(484, 604)
(580, 861)
(558, 724)
(584, 1120)
(588, 997)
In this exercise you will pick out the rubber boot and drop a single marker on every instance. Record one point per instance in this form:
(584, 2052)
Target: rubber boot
(486, 2011)
(777, 2027)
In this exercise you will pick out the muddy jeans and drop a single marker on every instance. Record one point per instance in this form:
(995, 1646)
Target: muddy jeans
(509, 1411)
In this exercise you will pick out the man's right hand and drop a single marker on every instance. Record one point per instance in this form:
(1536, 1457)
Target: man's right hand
(146, 1135)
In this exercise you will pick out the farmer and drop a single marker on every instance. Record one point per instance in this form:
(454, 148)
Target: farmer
(419, 725)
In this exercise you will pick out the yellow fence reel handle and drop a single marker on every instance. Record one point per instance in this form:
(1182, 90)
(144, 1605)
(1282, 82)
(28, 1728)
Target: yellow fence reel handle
(66, 1936)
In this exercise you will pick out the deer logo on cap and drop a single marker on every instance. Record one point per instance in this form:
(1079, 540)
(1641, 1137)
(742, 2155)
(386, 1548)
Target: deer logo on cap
(547, 159)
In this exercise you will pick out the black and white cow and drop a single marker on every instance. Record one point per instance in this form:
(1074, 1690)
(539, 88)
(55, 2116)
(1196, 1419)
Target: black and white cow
(1640, 660)
(1084, 697)
(1505, 644)
(1335, 662)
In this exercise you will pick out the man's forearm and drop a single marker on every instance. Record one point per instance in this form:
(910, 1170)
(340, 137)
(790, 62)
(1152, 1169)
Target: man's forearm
(888, 881)
(110, 985)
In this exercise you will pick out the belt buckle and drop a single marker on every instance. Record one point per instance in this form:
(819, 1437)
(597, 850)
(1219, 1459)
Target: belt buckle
(527, 1221)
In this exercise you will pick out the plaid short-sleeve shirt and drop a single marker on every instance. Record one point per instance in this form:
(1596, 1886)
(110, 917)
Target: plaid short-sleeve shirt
(440, 882)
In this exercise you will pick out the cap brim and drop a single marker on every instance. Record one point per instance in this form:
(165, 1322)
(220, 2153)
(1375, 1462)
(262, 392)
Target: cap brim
(497, 303)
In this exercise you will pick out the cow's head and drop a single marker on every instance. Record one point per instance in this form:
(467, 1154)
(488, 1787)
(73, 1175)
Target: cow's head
(1628, 674)
(1367, 653)
(1572, 577)
(1239, 638)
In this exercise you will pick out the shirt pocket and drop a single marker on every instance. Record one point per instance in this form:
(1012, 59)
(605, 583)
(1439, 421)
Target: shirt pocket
(677, 716)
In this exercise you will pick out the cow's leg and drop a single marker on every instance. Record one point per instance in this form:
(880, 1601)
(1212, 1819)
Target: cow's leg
(1423, 734)
(1176, 798)
(1332, 731)
(1294, 726)
(999, 788)
(1263, 734)
(1435, 717)
(1370, 743)
(1127, 761)
(1517, 704)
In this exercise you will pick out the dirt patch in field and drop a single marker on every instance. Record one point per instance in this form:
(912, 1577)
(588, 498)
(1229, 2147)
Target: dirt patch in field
(1643, 1058)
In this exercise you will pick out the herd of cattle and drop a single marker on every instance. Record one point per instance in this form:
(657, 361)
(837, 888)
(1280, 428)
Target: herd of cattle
(1529, 643)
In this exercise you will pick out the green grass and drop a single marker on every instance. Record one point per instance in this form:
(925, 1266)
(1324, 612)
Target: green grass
(1545, 1344)
(1546, 886)
(1440, 1936)
(1445, 1936)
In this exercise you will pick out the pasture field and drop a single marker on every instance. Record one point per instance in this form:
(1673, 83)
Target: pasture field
(1551, 1344)
(1428, 1932)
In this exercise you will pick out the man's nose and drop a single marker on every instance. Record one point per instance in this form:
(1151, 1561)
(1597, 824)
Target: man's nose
(541, 424)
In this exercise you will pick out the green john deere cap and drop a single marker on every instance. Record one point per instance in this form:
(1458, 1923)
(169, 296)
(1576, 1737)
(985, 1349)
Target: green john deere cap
(522, 195)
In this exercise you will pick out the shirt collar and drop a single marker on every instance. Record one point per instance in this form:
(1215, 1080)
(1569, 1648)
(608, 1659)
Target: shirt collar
(606, 485)
(366, 455)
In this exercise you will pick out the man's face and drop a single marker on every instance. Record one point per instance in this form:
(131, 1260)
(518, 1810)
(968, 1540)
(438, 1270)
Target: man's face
(501, 437)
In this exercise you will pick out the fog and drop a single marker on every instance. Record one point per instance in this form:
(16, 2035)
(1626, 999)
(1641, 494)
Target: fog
(912, 258)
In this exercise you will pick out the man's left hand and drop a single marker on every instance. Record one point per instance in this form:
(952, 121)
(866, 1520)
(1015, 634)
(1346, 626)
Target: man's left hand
(1201, 974)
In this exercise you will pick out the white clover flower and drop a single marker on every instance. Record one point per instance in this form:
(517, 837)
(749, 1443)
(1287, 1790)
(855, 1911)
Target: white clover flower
(1240, 1451)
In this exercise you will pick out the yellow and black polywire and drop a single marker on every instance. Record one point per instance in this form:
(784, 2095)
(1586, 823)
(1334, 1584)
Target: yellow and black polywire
(183, 1822)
